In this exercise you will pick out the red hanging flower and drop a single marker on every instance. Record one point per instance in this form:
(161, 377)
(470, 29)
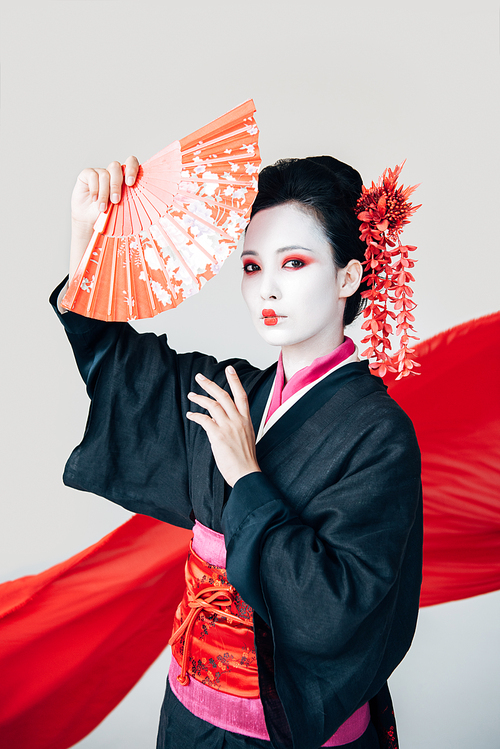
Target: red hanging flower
(384, 210)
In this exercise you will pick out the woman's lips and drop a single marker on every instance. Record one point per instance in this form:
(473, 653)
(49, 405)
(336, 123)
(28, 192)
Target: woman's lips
(270, 317)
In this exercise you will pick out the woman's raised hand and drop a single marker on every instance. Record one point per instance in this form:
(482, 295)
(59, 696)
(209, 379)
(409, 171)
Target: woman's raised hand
(229, 427)
(93, 191)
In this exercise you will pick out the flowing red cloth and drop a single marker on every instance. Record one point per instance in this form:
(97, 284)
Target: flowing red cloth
(76, 638)
(455, 407)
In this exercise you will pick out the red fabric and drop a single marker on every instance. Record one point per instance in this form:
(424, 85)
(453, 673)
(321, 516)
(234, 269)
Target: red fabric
(455, 407)
(77, 637)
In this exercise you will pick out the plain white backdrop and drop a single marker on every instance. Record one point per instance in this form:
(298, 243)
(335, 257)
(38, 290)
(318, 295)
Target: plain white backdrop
(89, 81)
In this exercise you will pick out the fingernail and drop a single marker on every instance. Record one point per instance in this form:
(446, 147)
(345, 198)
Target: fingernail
(102, 207)
(115, 198)
(130, 180)
(230, 369)
(199, 376)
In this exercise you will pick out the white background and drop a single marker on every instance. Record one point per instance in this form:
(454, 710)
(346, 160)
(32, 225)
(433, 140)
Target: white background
(372, 83)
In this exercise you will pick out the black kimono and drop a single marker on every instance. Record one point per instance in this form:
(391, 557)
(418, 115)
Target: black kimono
(325, 544)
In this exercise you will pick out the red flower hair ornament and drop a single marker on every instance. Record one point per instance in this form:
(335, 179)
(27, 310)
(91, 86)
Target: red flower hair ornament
(383, 210)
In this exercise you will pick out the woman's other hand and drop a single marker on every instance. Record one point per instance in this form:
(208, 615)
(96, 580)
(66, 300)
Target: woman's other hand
(93, 191)
(229, 426)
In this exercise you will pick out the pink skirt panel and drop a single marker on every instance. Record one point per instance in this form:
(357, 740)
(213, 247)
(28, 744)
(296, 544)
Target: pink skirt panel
(239, 714)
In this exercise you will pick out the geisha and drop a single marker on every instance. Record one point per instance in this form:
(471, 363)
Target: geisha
(301, 482)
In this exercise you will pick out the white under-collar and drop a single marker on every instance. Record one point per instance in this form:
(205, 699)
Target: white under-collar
(264, 427)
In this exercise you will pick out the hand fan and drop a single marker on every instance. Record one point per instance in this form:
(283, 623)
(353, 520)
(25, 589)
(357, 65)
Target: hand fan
(172, 229)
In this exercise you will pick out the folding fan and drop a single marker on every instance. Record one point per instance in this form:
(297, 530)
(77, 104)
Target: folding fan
(174, 227)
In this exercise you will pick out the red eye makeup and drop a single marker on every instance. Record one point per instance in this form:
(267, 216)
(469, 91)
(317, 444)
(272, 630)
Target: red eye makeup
(302, 259)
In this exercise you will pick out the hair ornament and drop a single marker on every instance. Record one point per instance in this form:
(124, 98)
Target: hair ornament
(384, 210)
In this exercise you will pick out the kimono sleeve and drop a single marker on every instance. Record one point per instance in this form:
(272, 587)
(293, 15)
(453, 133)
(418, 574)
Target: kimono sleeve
(137, 441)
(335, 588)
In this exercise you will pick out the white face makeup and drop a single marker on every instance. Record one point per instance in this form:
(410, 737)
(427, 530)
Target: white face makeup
(290, 283)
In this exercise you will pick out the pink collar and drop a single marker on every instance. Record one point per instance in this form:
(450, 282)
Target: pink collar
(305, 376)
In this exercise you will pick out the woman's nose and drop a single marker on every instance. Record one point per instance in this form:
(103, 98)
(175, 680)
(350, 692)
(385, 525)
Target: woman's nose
(269, 289)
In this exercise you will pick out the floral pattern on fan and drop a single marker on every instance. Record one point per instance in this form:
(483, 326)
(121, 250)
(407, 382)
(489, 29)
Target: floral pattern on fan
(172, 229)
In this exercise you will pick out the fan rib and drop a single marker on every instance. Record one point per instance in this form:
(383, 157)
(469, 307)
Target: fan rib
(232, 182)
(222, 159)
(146, 275)
(145, 219)
(156, 172)
(144, 197)
(241, 113)
(214, 203)
(176, 251)
(69, 300)
(129, 286)
(127, 227)
(213, 141)
(96, 275)
(162, 262)
(112, 283)
(214, 227)
(156, 182)
(166, 154)
(136, 221)
(188, 235)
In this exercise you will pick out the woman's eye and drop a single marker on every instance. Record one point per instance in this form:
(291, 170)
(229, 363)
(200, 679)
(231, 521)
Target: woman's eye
(250, 268)
(295, 263)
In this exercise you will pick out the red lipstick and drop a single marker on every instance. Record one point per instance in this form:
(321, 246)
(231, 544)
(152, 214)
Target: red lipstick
(270, 317)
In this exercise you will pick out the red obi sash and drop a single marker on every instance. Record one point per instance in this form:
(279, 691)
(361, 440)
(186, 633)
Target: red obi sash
(212, 638)
(213, 646)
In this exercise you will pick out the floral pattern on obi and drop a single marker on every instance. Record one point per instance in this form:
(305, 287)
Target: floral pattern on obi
(212, 637)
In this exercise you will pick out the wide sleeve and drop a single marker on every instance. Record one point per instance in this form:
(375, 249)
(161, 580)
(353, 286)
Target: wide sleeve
(138, 450)
(335, 587)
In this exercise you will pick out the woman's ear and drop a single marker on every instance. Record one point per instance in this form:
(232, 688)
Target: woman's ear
(350, 278)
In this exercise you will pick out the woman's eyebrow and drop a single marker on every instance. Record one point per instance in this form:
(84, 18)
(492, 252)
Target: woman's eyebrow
(294, 247)
(280, 249)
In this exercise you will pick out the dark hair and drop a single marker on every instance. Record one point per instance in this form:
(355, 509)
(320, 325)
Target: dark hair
(330, 189)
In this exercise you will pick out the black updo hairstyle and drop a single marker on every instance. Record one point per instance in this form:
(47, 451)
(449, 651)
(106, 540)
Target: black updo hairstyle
(330, 189)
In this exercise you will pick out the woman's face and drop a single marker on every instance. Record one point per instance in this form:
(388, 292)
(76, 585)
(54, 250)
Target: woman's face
(290, 283)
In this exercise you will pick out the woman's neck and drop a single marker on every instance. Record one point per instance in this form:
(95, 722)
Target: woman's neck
(302, 354)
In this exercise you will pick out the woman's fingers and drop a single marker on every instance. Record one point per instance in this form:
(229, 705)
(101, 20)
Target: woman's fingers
(115, 181)
(103, 185)
(204, 421)
(220, 395)
(238, 391)
(214, 408)
(131, 170)
(91, 179)
(231, 407)
(93, 191)
(229, 428)
(103, 195)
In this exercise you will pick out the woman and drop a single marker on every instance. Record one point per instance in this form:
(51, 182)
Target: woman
(318, 521)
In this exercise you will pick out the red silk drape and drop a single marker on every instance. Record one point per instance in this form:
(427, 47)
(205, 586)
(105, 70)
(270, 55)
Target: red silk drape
(455, 408)
(77, 637)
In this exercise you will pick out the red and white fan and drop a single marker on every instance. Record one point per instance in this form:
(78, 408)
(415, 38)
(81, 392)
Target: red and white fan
(172, 229)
